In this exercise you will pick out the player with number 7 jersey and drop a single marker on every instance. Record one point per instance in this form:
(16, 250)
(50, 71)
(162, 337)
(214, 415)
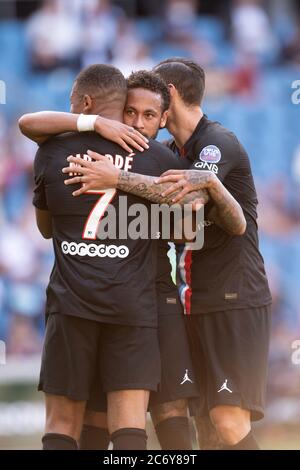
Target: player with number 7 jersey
(101, 299)
(101, 312)
(110, 280)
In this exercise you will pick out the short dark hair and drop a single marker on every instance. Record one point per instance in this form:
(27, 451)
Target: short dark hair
(102, 81)
(152, 82)
(187, 77)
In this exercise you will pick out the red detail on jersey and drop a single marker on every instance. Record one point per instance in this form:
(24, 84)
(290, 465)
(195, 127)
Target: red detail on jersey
(188, 274)
(182, 152)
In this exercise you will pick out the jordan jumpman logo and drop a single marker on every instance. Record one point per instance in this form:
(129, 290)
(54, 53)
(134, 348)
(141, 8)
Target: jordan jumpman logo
(224, 387)
(186, 378)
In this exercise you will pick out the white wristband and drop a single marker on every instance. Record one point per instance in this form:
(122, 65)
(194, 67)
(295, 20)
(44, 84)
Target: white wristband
(86, 122)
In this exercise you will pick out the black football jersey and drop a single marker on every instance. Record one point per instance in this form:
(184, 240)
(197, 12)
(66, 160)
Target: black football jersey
(111, 280)
(228, 272)
(168, 300)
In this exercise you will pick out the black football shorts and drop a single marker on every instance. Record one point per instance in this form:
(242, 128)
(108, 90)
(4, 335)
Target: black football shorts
(177, 376)
(75, 349)
(230, 355)
(177, 372)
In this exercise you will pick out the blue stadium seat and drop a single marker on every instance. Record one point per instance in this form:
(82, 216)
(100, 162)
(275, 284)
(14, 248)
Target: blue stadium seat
(149, 30)
(163, 50)
(13, 47)
(210, 28)
(225, 54)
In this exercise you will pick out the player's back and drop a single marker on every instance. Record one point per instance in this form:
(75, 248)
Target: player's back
(111, 280)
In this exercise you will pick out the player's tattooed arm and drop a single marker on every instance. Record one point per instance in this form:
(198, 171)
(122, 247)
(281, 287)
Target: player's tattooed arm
(146, 187)
(43, 125)
(102, 173)
(227, 213)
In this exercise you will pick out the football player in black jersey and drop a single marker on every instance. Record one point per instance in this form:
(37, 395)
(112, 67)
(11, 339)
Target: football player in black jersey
(53, 206)
(101, 298)
(147, 101)
(146, 111)
(227, 298)
(223, 286)
(169, 405)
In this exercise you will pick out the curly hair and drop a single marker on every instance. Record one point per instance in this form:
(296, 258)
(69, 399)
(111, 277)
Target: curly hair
(152, 82)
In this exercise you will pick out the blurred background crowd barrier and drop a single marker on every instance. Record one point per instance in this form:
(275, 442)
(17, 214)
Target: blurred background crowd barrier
(250, 50)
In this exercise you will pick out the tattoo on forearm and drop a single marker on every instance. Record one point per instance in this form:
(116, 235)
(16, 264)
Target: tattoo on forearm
(144, 186)
(198, 179)
(227, 213)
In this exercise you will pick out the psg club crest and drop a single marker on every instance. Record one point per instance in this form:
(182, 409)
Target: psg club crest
(210, 154)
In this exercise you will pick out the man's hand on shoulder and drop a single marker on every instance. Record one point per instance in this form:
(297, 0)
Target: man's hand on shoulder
(126, 136)
(186, 181)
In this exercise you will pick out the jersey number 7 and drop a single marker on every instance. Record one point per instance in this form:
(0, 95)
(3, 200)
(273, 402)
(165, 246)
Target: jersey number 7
(96, 214)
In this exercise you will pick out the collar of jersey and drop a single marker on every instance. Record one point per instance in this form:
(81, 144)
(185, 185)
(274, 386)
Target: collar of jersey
(187, 149)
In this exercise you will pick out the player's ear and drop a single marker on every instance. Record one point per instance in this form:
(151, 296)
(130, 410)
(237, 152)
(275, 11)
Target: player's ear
(172, 90)
(163, 119)
(87, 104)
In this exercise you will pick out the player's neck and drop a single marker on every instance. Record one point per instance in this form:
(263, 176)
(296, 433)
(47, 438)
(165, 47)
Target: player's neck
(183, 123)
(109, 113)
